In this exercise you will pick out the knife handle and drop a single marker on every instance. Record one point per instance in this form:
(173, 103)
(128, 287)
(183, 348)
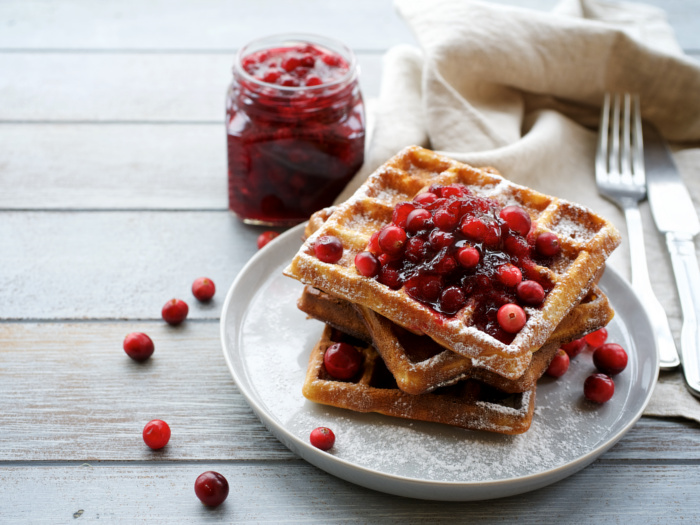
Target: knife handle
(685, 268)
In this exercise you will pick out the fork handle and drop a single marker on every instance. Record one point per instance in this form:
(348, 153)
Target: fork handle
(685, 268)
(668, 355)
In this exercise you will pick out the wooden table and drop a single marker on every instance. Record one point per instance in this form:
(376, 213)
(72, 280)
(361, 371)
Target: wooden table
(112, 201)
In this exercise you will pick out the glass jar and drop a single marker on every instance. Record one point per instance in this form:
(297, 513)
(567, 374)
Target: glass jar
(295, 127)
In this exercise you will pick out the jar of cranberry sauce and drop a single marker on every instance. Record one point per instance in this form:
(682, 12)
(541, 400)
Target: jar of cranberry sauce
(295, 128)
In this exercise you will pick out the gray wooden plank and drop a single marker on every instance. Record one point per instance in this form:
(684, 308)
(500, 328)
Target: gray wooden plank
(70, 393)
(296, 492)
(123, 87)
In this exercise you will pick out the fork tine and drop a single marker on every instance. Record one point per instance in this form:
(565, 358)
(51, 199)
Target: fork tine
(625, 161)
(614, 155)
(637, 143)
(601, 157)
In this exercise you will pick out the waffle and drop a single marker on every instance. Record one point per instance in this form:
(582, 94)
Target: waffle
(468, 404)
(585, 238)
(420, 365)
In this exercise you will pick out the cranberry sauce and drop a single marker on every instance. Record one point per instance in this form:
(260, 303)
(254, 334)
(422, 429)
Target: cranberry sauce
(449, 248)
(295, 126)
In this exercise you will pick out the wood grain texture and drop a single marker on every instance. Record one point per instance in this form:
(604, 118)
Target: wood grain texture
(295, 492)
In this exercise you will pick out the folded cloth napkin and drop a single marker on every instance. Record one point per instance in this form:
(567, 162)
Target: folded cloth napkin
(520, 90)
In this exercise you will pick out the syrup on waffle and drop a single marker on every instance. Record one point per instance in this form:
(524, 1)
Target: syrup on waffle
(468, 404)
(420, 365)
(585, 241)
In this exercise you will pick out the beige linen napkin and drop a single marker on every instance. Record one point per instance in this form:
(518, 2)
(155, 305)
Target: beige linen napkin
(520, 90)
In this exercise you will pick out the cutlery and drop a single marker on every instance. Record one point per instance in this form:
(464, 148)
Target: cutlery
(620, 178)
(675, 217)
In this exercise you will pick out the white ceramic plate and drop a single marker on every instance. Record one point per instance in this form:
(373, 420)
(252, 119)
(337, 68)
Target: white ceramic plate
(267, 341)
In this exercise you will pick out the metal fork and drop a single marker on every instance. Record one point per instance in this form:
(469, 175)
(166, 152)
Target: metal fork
(619, 170)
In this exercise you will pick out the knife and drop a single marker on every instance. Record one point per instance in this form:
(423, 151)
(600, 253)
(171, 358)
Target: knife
(675, 217)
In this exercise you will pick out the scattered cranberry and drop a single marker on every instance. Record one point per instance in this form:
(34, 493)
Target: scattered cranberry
(392, 239)
(509, 275)
(610, 358)
(138, 346)
(511, 318)
(559, 365)
(266, 237)
(211, 488)
(575, 347)
(322, 438)
(425, 198)
(468, 256)
(547, 244)
(418, 219)
(445, 220)
(517, 219)
(203, 289)
(367, 264)
(156, 434)
(342, 361)
(530, 292)
(175, 311)
(401, 213)
(597, 338)
(473, 228)
(328, 249)
(599, 388)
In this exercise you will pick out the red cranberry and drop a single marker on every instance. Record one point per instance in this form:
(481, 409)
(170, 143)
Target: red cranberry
(530, 293)
(515, 245)
(473, 228)
(290, 64)
(390, 276)
(559, 365)
(492, 235)
(445, 220)
(425, 288)
(322, 438)
(401, 212)
(599, 388)
(610, 358)
(509, 275)
(452, 299)
(308, 61)
(517, 219)
(203, 289)
(575, 347)
(468, 256)
(265, 237)
(175, 311)
(547, 244)
(367, 264)
(416, 249)
(597, 338)
(418, 220)
(446, 264)
(425, 198)
(386, 258)
(373, 244)
(511, 318)
(211, 488)
(342, 361)
(392, 239)
(156, 434)
(454, 190)
(439, 239)
(313, 81)
(328, 249)
(138, 346)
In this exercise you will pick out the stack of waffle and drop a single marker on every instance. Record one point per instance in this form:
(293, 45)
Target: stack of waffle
(423, 364)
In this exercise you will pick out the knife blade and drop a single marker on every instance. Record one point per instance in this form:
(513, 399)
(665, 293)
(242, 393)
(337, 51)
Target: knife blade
(675, 217)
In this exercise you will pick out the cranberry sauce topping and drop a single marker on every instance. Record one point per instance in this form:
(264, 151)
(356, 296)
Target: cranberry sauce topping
(449, 248)
(296, 129)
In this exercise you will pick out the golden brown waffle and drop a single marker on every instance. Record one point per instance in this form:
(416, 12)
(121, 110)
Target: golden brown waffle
(586, 240)
(468, 404)
(420, 365)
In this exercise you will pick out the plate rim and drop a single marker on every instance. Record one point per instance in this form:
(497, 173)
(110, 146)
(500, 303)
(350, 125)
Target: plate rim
(403, 485)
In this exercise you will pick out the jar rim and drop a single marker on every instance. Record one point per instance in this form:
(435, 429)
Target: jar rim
(296, 38)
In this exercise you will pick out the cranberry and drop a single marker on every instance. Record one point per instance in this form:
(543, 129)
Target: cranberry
(492, 235)
(392, 239)
(445, 220)
(575, 347)
(322, 438)
(401, 212)
(452, 299)
(559, 365)
(597, 338)
(468, 256)
(425, 287)
(265, 237)
(290, 64)
(610, 358)
(516, 245)
(425, 198)
(517, 219)
(175, 311)
(156, 434)
(473, 228)
(138, 346)
(313, 81)
(509, 275)
(342, 361)
(367, 264)
(454, 190)
(446, 264)
(211, 488)
(439, 239)
(530, 293)
(373, 244)
(203, 289)
(599, 388)
(271, 76)
(511, 318)
(416, 249)
(328, 249)
(547, 244)
(390, 276)
(418, 220)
